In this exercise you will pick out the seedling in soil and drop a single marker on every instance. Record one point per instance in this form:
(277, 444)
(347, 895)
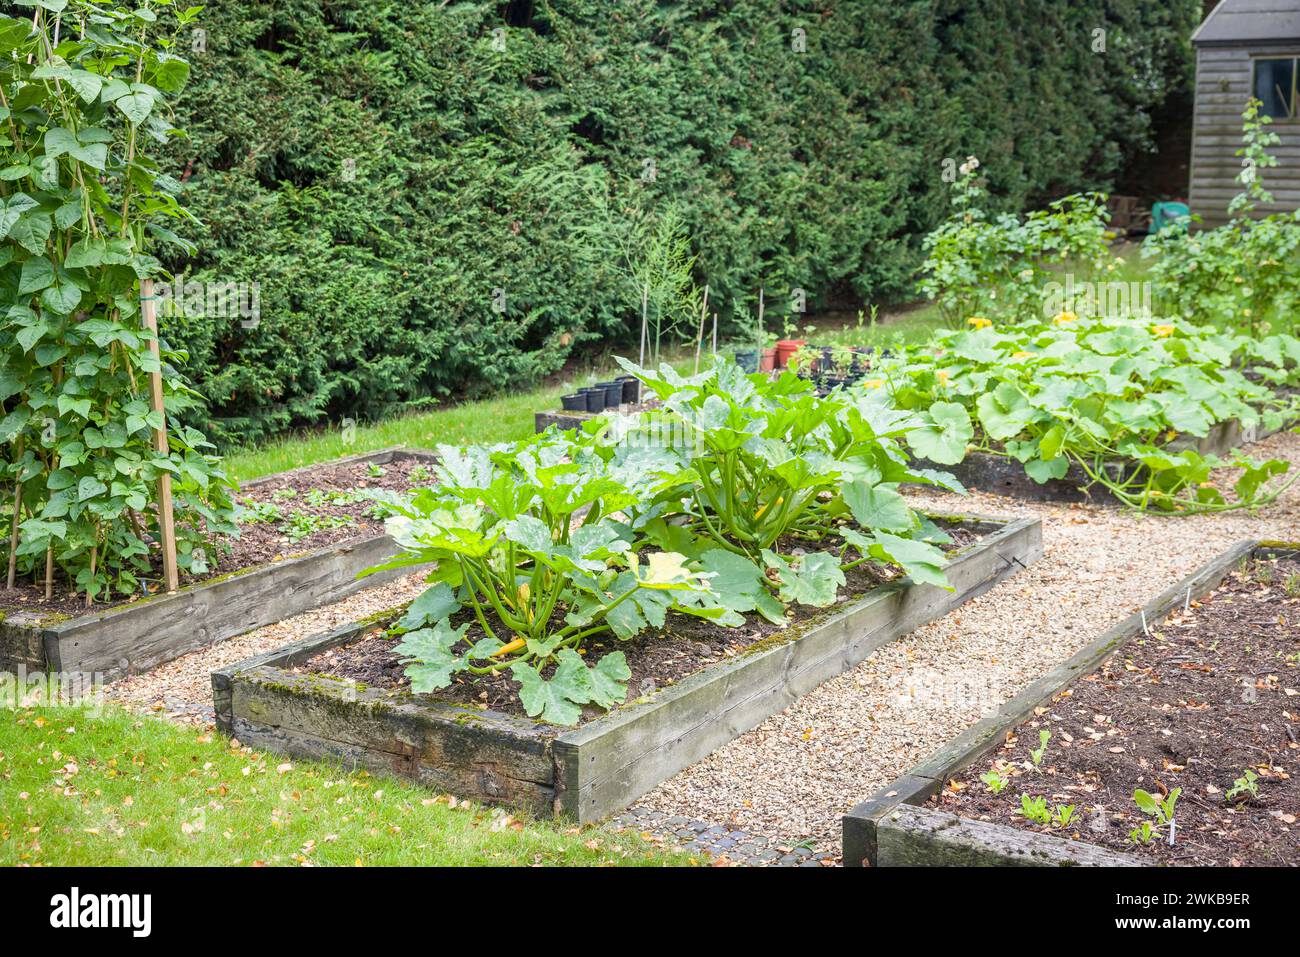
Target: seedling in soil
(300, 525)
(1160, 811)
(1035, 809)
(1292, 586)
(376, 471)
(994, 780)
(283, 494)
(251, 512)
(1036, 755)
(1245, 785)
(1063, 815)
(1141, 834)
(419, 475)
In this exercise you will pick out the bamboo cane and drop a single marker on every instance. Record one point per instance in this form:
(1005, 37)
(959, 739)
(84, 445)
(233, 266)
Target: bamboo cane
(13, 530)
(645, 319)
(166, 519)
(699, 336)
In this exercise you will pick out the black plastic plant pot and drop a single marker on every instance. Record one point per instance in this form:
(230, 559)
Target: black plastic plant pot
(631, 388)
(613, 393)
(574, 403)
(747, 359)
(594, 399)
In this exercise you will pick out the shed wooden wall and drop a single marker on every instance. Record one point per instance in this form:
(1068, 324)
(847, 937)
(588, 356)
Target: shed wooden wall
(1223, 79)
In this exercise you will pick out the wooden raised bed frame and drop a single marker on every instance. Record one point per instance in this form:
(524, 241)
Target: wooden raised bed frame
(892, 829)
(593, 770)
(135, 637)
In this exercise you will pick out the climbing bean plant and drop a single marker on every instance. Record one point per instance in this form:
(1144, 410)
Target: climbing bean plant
(84, 91)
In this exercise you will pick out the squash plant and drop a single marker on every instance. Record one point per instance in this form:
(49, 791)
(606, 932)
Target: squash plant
(536, 547)
(83, 103)
(765, 467)
(1094, 391)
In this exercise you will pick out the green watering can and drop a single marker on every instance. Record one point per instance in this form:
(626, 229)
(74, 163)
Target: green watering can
(1170, 216)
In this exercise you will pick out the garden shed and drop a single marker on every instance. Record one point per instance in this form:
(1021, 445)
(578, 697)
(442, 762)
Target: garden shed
(1245, 48)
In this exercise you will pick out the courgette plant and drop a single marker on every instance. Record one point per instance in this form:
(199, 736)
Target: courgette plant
(531, 548)
(83, 104)
(773, 474)
(1119, 397)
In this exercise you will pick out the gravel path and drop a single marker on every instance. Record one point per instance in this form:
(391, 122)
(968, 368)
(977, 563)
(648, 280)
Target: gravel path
(797, 773)
(776, 794)
(182, 689)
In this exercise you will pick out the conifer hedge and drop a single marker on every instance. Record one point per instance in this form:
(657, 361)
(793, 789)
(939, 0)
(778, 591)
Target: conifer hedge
(435, 198)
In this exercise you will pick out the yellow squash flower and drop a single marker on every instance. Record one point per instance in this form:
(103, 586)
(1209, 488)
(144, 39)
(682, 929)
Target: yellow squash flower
(1163, 330)
(1064, 318)
(874, 383)
(1024, 355)
(943, 375)
(979, 322)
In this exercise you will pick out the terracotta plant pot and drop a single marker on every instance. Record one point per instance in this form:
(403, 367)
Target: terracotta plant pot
(767, 360)
(785, 350)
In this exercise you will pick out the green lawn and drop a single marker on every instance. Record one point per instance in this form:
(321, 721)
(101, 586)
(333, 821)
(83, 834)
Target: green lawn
(81, 788)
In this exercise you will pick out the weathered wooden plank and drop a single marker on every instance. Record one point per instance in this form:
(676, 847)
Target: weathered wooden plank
(290, 656)
(471, 752)
(130, 639)
(923, 837)
(613, 760)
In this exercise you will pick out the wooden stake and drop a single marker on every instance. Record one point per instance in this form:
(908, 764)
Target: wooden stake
(166, 520)
(49, 572)
(699, 337)
(715, 335)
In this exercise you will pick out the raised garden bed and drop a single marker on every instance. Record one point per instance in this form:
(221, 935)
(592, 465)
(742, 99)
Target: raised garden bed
(267, 576)
(1190, 692)
(1000, 475)
(279, 701)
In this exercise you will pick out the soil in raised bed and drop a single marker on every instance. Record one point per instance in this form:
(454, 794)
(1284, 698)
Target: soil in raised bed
(1211, 693)
(331, 513)
(656, 659)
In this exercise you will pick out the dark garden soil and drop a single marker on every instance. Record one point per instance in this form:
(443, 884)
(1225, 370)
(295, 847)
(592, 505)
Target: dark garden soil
(1211, 694)
(280, 517)
(656, 659)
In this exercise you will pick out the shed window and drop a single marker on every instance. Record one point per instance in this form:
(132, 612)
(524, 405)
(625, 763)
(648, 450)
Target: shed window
(1275, 86)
